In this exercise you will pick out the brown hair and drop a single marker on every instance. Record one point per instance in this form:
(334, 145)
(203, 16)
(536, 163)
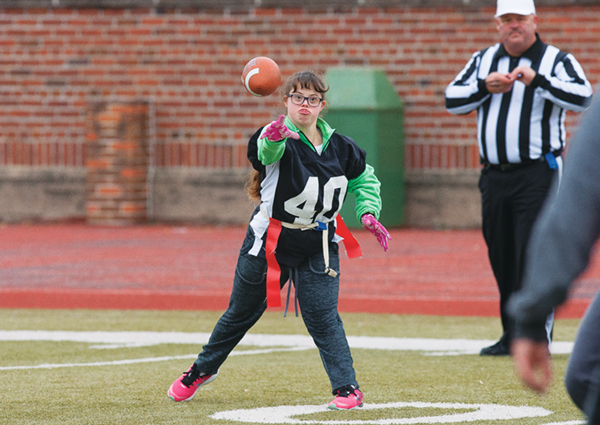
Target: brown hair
(306, 80)
(303, 79)
(253, 185)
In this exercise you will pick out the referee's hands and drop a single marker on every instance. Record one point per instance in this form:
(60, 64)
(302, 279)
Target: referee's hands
(497, 82)
(523, 74)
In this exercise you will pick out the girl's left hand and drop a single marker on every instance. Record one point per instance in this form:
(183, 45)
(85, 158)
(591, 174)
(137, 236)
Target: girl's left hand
(277, 131)
(371, 224)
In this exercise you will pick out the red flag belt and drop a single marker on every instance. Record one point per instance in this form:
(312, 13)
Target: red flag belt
(274, 271)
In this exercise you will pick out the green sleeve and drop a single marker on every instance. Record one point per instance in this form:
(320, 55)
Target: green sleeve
(269, 152)
(366, 189)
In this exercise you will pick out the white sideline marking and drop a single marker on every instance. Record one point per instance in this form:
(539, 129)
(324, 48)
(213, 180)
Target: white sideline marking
(142, 360)
(111, 363)
(480, 412)
(276, 343)
(567, 423)
(105, 340)
(111, 340)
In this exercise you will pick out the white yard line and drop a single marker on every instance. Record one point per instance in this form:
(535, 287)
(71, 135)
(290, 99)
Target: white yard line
(105, 340)
(277, 343)
(478, 412)
(142, 360)
(272, 343)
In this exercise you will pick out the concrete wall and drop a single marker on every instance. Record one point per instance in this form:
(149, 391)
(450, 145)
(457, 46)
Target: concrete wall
(48, 193)
(191, 195)
(197, 195)
(442, 201)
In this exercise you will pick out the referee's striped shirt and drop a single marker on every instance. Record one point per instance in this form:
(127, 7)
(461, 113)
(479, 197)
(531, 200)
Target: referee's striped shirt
(528, 121)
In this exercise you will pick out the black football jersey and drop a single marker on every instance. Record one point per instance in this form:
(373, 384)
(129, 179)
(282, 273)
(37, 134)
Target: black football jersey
(303, 187)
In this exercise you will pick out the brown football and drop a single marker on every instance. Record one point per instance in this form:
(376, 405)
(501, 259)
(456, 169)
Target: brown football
(261, 76)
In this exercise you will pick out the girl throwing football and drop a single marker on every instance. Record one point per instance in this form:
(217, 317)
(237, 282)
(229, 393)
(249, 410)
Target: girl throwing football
(303, 170)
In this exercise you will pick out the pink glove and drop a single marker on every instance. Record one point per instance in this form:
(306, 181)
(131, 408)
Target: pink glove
(376, 228)
(277, 131)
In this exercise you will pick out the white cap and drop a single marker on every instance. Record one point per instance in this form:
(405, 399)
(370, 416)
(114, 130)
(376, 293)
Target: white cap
(518, 7)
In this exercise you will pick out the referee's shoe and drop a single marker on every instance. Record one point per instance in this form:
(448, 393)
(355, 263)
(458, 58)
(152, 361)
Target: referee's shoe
(500, 348)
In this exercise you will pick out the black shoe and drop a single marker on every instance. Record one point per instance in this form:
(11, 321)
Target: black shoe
(498, 349)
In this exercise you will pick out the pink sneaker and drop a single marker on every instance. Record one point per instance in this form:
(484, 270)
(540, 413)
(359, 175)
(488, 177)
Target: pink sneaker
(347, 398)
(184, 388)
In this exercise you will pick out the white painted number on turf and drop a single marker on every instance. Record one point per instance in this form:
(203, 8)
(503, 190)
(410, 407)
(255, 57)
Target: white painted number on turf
(479, 412)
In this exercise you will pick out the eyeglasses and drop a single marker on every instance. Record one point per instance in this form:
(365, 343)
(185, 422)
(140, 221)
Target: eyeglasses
(299, 100)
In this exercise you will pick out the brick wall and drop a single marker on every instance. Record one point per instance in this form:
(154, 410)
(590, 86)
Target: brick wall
(186, 63)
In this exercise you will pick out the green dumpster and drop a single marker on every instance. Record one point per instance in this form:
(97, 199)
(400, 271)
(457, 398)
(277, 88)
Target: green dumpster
(364, 105)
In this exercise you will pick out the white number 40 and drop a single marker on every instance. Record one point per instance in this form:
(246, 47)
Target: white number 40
(303, 205)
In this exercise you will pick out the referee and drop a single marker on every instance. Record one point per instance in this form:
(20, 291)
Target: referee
(521, 89)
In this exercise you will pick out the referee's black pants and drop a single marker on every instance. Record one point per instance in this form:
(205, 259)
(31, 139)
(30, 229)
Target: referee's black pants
(511, 201)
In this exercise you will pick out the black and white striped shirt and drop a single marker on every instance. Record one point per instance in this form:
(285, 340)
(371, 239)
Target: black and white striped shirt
(528, 121)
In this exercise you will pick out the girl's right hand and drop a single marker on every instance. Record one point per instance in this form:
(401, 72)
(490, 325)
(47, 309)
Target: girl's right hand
(277, 131)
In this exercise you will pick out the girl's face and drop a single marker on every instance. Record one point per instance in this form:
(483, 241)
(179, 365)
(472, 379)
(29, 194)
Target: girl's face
(304, 106)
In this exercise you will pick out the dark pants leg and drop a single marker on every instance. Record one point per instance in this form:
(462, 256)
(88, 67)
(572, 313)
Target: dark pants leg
(583, 372)
(511, 202)
(318, 300)
(246, 305)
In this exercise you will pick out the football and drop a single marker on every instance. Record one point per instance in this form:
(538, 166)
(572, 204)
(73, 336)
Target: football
(261, 76)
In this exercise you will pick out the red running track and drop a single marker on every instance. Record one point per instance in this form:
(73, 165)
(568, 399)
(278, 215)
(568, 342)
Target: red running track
(191, 268)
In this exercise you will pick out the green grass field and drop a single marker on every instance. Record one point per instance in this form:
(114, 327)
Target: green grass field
(135, 393)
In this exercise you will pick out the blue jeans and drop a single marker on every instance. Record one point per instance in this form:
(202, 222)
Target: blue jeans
(317, 295)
